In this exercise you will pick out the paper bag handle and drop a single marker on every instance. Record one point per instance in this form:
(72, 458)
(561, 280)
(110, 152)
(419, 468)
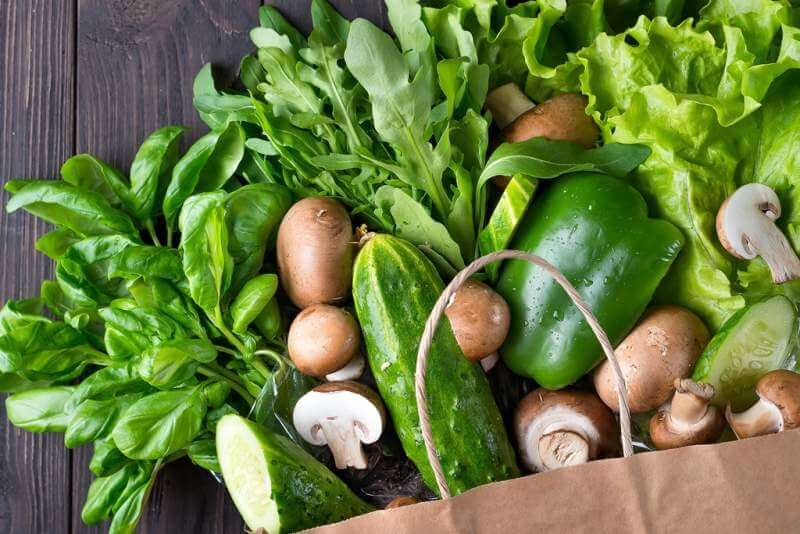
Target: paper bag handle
(436, 315)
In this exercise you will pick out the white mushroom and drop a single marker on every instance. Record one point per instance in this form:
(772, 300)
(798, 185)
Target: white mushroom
(687, 419)
(746, 228)
(341, 415)
(506, 103)
(777, 408)
(352, 371)
(561, 428)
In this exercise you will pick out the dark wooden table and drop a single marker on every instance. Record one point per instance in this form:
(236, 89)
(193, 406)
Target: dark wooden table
(96, 76)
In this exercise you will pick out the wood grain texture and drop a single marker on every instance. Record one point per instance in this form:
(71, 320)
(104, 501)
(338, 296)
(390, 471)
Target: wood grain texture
(97, 76)
(36, 135)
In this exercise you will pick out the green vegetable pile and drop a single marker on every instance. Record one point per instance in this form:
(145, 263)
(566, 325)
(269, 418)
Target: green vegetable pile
(165, 314)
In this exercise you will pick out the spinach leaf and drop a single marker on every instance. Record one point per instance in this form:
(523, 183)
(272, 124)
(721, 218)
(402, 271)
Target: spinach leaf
(94, 418)
(203, 453)
(174, 303)
(89, 173)
(107, 458)
(17, 313)
(269, 322)
(83, 211)
(109, 382)
(215, 393)
(207, 166)
(543, 158)
(104, 493)
(40, 410)
(175, 362)
(146, 261)
(252, 215)
(252, 299)
(150, 171)
(129, 506)
(204, 246)
(160, 424)
(55, 243)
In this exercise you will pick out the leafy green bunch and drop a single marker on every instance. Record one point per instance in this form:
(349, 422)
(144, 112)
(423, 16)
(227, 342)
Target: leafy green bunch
(147, 346)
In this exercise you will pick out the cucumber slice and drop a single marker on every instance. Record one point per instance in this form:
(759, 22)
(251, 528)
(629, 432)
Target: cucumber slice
(275, 484)
(754, 341)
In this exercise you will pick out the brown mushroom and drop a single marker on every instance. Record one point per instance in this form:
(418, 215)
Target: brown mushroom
(323, 339)
(777, 408)
(560, 428)
(746, 228)
(402, 501)
(480, 319)
(315, 252)
(664, 346)
(341, 415)
(688, 419)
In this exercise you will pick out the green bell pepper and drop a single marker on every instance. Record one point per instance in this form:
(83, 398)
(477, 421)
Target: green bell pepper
(595, 230)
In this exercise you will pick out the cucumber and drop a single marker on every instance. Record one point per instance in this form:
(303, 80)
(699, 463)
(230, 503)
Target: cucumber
(275, 484)
(394, 289)
(754, 341)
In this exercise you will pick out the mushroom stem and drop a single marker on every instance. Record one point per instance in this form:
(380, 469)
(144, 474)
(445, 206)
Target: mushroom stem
(760, 419)
(490, 361)
(506, 103)
(690, 402)
(344, 443)
(563, 448)
(776, 251)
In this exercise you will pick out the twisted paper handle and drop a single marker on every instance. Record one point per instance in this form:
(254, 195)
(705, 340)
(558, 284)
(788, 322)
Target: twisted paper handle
(436, 315)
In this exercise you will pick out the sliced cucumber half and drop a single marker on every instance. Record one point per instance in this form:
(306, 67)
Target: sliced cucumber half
(277, 485)
(754, 341)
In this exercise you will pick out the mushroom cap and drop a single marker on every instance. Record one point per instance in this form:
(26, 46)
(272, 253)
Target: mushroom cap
(480, 319)
(664, 346)
(734, 218)
(668, 431)
(561, 118)
(542, 412)
(351, 402)
(323, 339)
(782, 388)
(405, 500)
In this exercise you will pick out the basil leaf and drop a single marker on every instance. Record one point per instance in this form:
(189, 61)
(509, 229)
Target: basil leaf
(151, 169)
(215, 393)
(40, 410)
(55, 243)
(543, 158)
(83, 211)
(93, 419)
(207, 166)
(252, 299)
(109, 382)
(204, 246)
(128, 508)
(17, 313)
(160, 424)
(163, 295)
(269, 322)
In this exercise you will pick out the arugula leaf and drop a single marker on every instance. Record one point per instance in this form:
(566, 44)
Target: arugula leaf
(269, 17)
(330, 28)
(400, 107)
(160, 424)
(543, 158)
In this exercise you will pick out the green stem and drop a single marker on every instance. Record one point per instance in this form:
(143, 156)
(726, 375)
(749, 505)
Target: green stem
(230, 336)
(226, 350)
(206, 370)
(169, 235)
(262, 369)
(277, 358)
(249, 386)
(152, 231)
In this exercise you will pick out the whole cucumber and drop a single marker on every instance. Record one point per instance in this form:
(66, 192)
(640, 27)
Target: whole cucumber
(394, 289)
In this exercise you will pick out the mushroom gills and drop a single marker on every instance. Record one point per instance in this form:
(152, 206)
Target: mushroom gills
(558, 438)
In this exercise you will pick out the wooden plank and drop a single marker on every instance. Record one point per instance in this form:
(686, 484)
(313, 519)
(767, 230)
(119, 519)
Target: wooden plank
(37, 41)
(136, 63)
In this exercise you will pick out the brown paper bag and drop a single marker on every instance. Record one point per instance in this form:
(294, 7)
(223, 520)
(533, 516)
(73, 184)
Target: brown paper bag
(744, 486)
(751, 485)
